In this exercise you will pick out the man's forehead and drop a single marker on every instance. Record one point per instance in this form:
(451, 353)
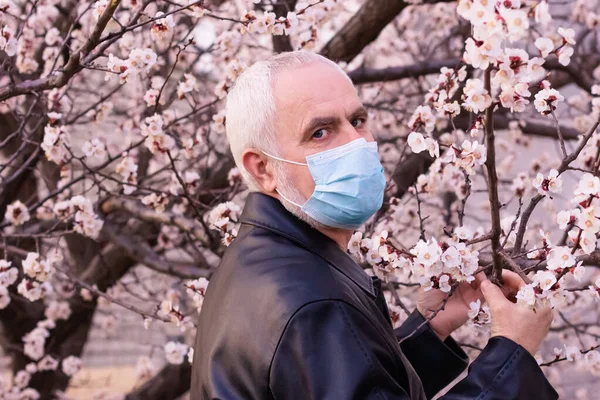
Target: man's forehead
(312, 85)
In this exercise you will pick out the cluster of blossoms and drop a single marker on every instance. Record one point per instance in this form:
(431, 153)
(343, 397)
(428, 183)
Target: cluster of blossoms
(157, 201)
(232, 71)
(479, 314)
(423, 117)
(156, 139)
(224, 218)
(81, 210)
(476, 97)
(127, 168)
(151, 97)
(139, 61)
(56, 137)
(309, 15)
(94, 149)
(439, 265)
(435, 265)
(440, 96)
(169, 308)
(550, 184)
(186, 86)
(470, 156)
(8, 43)
(269, 23)
(548, 284)
(35, 285)
(196, 290)
(162, 29)
(190, 179)
(591, 357)
(34, 343)
(387, 262)
(547, 98)
(495, 23)
(175, 352)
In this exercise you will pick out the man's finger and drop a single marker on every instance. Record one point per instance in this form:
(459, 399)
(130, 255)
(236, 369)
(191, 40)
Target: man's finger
(492, 293)
(480, 277)
(512, 280)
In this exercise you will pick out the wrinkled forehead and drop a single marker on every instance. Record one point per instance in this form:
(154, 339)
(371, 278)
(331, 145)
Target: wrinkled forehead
(311, 91)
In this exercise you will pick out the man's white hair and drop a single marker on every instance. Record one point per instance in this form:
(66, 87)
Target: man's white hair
(251, 107)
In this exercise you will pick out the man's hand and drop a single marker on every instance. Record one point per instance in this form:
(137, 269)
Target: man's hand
(517, 323)
(454, 314)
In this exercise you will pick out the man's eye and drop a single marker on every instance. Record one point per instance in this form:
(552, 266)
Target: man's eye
(321, 133)
(357, 122)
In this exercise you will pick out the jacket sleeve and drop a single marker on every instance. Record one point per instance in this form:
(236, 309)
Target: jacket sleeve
(437, 363)
(503, 370)
(329, 350)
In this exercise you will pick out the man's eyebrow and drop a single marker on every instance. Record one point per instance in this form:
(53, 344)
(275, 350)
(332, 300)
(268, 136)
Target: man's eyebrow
(316, 123)
(360, 112)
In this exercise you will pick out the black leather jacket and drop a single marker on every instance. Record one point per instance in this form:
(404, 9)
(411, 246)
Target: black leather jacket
(289, 315)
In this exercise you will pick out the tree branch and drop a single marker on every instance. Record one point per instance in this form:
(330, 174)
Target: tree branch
(143, 253)
(490, 163)
(364, 75)
(72, 67)
(535, 200)
(364, 27)
(146, 214)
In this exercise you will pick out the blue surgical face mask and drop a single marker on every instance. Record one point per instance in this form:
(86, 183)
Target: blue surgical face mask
(349, 184)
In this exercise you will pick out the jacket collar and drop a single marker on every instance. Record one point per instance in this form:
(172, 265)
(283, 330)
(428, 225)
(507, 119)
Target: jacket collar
(267, 212)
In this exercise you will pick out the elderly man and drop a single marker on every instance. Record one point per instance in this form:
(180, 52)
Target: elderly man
(289, 314)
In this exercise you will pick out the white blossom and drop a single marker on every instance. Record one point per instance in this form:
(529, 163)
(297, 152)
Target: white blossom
(544, 279)
(8, 274)
(427, 253)
(546, 99)
(572, 353)
(71, 365)
(94, 148)
(588, 185)
(17, 213)
(552, 183)
(58, 310)
(544, 45)
(560, 257)
(175, 352)
(354, 243)
(48, 363)
(564, 218)
(35, 268)
(417, 143)
(568, 35)
(526, 296)
(477, 97)
(542, 14)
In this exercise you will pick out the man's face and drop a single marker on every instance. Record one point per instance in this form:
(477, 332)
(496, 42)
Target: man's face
(317, 109)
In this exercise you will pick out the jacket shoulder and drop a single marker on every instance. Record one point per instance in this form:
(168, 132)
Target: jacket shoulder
(267, 265)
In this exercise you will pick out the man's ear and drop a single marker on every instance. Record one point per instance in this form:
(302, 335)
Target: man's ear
(257, 165)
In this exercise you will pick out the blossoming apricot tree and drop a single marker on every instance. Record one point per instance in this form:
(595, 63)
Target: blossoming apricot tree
(118, 193)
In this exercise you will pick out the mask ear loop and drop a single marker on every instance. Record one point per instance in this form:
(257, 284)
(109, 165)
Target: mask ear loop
(283, 159)
(288, 200)
(291, 162)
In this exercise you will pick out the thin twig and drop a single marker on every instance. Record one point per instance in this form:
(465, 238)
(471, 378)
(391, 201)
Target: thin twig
(490, 164)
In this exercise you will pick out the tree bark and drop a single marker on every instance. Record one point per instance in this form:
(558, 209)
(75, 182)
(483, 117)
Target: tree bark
(363, 28)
